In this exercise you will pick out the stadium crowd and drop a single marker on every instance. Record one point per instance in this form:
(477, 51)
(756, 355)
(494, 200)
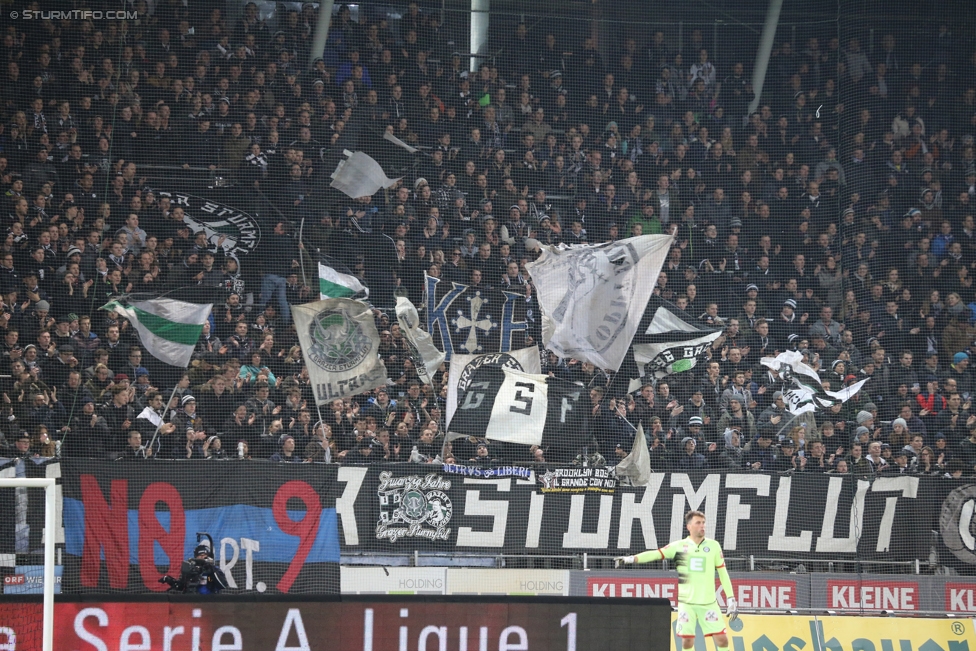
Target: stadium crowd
(836, 219)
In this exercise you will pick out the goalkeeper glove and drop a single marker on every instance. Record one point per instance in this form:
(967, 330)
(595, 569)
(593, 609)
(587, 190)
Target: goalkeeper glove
(731, 609)
(624, 560)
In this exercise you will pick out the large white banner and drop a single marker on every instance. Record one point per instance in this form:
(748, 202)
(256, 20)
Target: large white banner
(340, 346)
(593, 297)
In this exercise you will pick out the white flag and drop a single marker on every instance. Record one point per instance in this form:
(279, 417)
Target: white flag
(169, 329)
(425, 354)
(340, 346)
(808, 393)
(360, 176)
(463, 368)
(637, 465)
(593, 297)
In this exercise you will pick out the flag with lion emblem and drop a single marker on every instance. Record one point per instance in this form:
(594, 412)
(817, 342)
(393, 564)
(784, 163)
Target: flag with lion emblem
(340, 346)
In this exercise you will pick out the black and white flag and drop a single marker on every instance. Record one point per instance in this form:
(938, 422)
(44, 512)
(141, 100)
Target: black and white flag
(668, 341)
(502, 404)
(807, 393)
(462, 369)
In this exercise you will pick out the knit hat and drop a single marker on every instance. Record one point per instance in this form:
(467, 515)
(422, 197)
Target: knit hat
(789, 303)
(861, 430)
(695, 420)
(752, 287)
(685, 440)
(899, 421)
(188, 398)
(959, 357)
(863, 417)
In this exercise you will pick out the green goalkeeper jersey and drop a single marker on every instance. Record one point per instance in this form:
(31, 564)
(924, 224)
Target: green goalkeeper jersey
(697, 564)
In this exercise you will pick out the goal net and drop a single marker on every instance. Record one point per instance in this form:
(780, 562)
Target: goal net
(30, 580)
(813, 161)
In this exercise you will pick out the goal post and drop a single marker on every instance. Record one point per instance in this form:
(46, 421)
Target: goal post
(50, 504)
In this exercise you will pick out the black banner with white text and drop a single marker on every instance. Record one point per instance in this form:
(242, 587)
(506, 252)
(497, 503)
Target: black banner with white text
(402, 507)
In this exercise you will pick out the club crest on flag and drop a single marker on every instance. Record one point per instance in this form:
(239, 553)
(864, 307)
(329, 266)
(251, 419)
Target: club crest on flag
(341, 344)
(240, 231)
(338, 341)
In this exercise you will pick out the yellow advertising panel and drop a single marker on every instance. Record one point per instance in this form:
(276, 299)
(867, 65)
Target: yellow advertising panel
(826, 633)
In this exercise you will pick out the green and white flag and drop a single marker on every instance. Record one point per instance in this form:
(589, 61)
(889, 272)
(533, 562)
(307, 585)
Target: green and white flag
(340, 345)
(333, 284)
(169, 329)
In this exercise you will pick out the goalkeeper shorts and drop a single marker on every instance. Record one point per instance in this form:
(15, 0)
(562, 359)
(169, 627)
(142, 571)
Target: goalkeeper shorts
(709, 617)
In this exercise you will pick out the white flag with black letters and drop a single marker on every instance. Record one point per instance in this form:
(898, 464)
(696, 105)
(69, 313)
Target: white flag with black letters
(592, 297)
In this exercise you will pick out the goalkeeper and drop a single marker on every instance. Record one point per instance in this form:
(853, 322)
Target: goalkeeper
(697, 558)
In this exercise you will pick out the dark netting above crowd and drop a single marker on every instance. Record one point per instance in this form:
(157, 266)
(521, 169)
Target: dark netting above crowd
(191, 148)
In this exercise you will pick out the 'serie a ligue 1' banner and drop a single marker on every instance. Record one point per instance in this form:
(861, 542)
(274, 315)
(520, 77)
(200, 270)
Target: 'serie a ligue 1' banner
(405, 507)
(474, 321)
(346, 624)
(274, 526)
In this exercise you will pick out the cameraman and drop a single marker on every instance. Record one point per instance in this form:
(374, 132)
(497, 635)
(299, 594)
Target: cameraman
(198, 575)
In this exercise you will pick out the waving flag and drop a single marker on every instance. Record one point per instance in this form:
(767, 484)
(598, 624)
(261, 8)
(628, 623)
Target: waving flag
(474, 320)
(359, 175)
(808, 392)
(636, 466)
(335, 284)
(462, 370)
(591, 296)
(672, 341)
(668, 341)
(506, 405)
(427, 358)
(169, 329)
(340, 346)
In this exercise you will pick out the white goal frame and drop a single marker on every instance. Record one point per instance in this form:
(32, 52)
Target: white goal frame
(50, 503)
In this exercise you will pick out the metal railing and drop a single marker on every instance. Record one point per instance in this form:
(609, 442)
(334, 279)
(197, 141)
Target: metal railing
(585, 561)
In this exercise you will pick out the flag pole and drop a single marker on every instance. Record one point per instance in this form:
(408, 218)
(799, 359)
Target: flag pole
(318, 410)
(301, 259)
(163, 417)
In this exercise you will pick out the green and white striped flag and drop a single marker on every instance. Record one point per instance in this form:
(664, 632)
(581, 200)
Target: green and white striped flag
(333, 284)
(168, 329)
